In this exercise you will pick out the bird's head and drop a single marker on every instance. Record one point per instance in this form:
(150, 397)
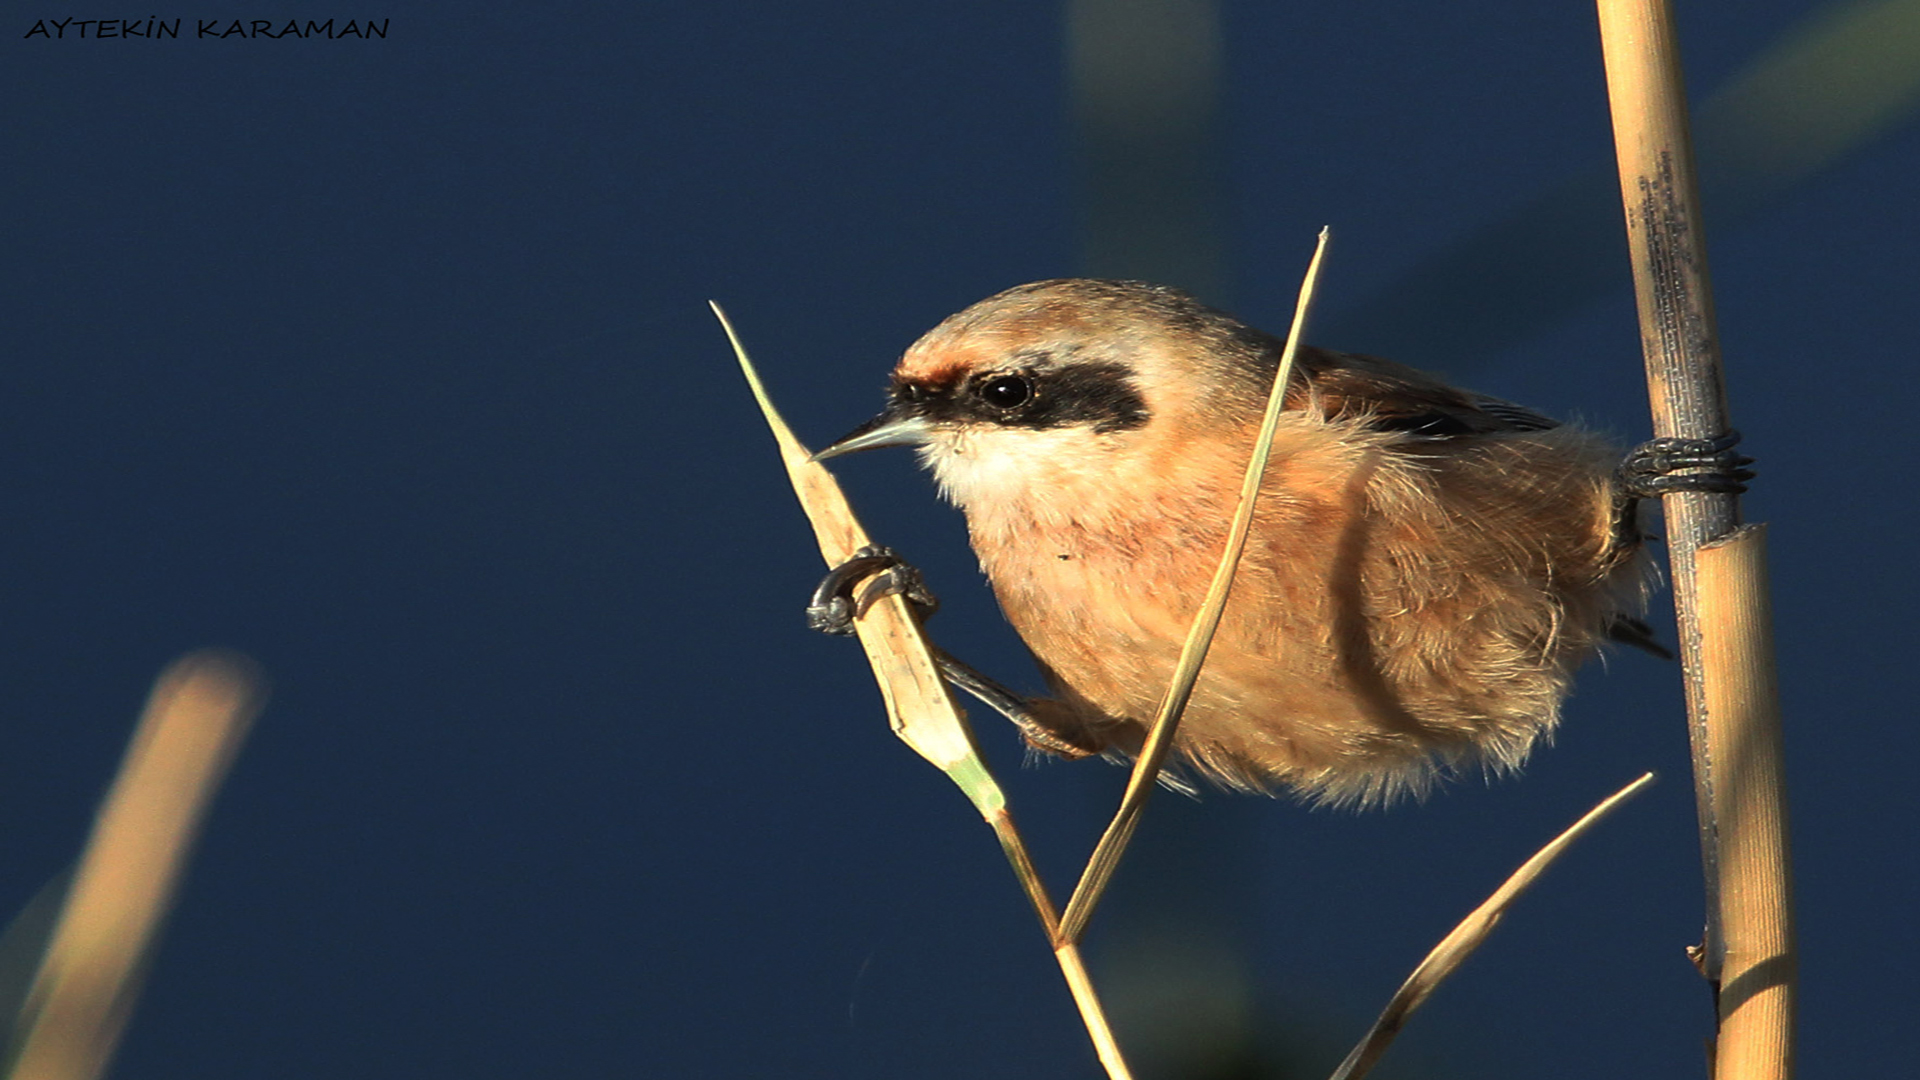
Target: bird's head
(1060, 386)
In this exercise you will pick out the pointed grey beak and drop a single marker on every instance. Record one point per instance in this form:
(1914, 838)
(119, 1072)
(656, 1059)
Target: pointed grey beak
(887, 429)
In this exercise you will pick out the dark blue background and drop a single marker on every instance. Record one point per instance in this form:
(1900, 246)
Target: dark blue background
(388, 362)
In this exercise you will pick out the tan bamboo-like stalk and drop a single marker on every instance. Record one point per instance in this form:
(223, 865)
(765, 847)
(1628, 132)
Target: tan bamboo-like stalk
(1757, 973)
(1725, 643)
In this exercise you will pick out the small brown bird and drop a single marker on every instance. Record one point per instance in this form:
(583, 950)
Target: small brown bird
(1426, 568)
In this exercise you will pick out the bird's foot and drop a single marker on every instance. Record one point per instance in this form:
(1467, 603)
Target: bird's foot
(833, 606)
(1661, 466)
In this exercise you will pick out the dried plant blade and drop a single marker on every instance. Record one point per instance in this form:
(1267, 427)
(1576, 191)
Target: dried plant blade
(1454, 949)
(1075, 970)
(89, 978)
(1066, 953)
(919, 707)
(1159, 742)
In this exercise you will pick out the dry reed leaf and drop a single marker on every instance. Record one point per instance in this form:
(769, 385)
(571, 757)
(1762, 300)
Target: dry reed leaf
(919, 707)
(1193, 653)
(89, 978)
(1454, 949)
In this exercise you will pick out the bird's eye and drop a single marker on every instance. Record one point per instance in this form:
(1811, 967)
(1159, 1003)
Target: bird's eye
(1005, 391)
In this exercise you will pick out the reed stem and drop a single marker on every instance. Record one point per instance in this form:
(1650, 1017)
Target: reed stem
(1726, 647)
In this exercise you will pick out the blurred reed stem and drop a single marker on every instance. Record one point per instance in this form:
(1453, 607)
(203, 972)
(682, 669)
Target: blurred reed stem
(89, 977)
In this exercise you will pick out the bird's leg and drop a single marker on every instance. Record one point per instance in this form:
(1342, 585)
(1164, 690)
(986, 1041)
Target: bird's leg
(833, 607)
(1654, 468)
(1009, 704)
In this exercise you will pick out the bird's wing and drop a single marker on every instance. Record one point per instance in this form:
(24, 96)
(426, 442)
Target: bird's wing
(1394, 397)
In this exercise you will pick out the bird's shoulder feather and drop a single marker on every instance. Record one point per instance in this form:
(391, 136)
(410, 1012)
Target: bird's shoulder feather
(1393, 397)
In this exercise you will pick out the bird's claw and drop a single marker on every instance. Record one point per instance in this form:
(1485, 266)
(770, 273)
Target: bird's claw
(1653, 468)
(834, 605)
